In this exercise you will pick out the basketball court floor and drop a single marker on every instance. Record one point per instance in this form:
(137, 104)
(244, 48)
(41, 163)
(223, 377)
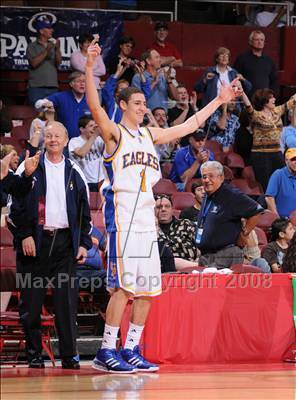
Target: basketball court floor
(270, 381)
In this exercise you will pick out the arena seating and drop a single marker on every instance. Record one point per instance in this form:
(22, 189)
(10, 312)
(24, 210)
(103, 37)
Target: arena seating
(262, 239)
(164, 186)
(95, 200)
(182, 200)
(98, 219)
(265, 221)
(166, 169)
(234, 161)
(248, 174)
(245, 187)
(214, 146)
(12, 334)
(6, 238)
(21, 112)
(15, 142)
(190, 182)
(293, 217)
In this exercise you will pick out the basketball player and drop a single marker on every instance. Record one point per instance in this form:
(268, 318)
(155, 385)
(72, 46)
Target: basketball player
(132, 168)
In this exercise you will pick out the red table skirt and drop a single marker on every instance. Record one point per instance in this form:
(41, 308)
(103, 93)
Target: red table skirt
(218, 318)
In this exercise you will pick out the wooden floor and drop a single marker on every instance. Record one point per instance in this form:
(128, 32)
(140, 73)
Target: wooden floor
(182, 382)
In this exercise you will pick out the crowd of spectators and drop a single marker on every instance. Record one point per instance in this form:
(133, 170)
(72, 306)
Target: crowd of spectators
(218, 230)
(258, 120)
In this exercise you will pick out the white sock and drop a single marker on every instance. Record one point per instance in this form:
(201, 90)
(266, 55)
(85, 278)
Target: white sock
(110, 337)
(133, 336)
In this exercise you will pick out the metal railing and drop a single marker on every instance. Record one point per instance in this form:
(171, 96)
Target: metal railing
(246, 3)
(170, 14)
(173, 15)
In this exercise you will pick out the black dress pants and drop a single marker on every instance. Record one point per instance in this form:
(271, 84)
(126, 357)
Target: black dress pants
(54, 268)
(264, 164)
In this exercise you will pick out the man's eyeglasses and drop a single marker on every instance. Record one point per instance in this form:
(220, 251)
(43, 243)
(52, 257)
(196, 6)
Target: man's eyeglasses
(210, 176)
(163, 196)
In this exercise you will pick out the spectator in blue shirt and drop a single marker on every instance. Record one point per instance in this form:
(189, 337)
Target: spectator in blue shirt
(91, 274)
(224, 124)
(114, 85)
(288, 137)
(70, 105)
(189, 159)
(281, 189)
(160, 82)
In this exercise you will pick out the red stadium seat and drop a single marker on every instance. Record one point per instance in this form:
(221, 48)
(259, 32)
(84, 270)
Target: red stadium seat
(245, 268)
(293, 217)
(244, 187)
(262, 239)
(220, 157)
(7, 257)
(7, 269)
(248, 174)
(234, 160)
(182, 200)
(95, 201)
(6, 237)
(176, 213)
(189, 184)
(21, 112)
(266, 219)
(98, 219)
(24, 114)
(164, 186)
(12, 330)
(22, 131)
(214, 146)
(228, 174)
(166, 169)
(19, 144)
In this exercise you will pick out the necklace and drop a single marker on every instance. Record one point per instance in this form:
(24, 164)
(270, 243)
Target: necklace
(267, 114)
(138, 134)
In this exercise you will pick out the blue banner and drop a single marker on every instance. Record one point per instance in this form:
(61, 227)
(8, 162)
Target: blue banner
(18, 29)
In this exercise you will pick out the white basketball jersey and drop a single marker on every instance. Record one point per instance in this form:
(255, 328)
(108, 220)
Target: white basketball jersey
(132, 170)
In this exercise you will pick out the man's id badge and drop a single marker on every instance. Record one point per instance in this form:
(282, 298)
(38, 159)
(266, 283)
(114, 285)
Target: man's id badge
(198, 235)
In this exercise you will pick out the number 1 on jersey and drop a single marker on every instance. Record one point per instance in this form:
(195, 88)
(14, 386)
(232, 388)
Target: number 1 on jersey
(143, 180)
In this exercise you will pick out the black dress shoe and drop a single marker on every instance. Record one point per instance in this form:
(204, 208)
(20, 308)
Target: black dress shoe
(70, 363)
(36, 362)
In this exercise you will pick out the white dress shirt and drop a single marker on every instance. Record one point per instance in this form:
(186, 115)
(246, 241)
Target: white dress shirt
(55, 201)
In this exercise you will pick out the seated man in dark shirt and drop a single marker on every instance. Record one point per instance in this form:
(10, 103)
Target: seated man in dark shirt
(282, 232)
(192, 212)
(177, 234)
(189, 159)
(219, 227)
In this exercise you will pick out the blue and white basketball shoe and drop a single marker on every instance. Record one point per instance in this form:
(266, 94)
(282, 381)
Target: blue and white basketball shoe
(108, 360)
(135, 359)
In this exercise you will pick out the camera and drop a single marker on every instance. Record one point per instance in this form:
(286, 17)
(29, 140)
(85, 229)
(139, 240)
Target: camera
(134, 62)
(146, 120)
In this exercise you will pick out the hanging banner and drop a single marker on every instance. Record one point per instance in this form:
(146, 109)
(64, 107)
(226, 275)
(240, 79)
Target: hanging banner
(18, 29)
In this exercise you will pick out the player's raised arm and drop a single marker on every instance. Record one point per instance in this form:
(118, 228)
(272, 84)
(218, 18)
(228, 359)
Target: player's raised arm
(108, 128)
(167, 135)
